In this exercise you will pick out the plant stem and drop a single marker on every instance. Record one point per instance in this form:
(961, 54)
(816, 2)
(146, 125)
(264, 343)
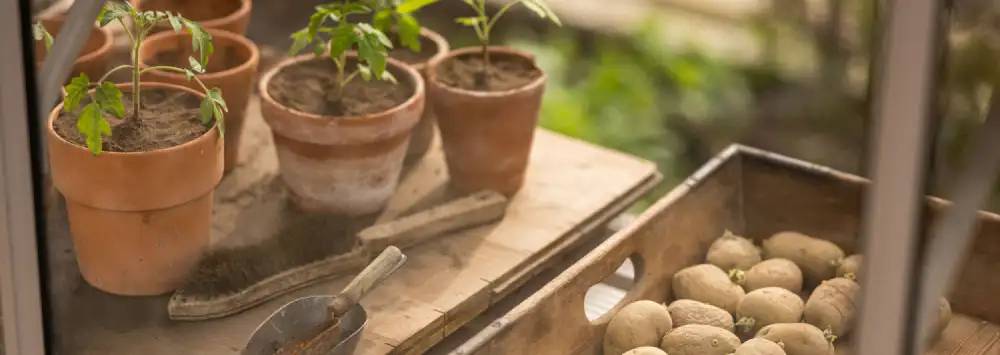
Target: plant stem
(135, 77)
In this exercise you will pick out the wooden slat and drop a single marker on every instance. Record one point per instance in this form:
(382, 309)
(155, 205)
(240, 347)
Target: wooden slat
(750, 192)
(572, 188)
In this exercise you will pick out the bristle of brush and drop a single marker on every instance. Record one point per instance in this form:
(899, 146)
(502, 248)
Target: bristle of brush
(304, 239)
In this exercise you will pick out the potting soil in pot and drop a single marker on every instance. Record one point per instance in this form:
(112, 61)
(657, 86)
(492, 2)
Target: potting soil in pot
(169, 118)
(310, 86)
(504, 72)
(427, 50)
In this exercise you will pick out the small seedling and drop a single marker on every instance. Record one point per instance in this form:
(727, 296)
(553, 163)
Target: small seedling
(107, 98)
(483, 24)
(39, 32)
(331, 31)
(397, 15)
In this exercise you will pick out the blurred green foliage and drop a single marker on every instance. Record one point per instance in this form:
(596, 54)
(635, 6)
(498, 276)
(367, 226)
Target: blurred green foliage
(636, 95)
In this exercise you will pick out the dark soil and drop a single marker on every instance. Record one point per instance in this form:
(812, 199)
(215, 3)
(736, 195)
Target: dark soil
(311, 87)
(504, 73)
(224, 57)
(306, 238)
(428, 49)
(168, 118)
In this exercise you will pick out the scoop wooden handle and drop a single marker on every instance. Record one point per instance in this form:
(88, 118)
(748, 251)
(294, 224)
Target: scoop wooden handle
(384, 265)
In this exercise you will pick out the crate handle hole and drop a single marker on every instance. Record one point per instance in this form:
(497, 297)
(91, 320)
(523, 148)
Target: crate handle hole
(608, 294)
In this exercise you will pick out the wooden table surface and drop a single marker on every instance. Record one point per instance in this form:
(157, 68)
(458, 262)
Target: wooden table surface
(572, 188)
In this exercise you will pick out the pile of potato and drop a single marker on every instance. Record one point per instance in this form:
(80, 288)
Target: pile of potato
(795, 295)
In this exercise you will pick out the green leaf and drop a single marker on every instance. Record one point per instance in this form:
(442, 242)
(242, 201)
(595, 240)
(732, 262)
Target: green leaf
(342, 39)
(470, 21)
(220, 119)
(109, 98)
(409, 32)
(215, 94)
(114, 10)
(92, 125)
(300, 39)
(201, 41)
(409, 6)
(195, 66)
(542, 10)
(205, 111)
(368, 30)
(315, 21)
(353, 8)
(75, 91)
(382, 19)
(371, 50)
(319, 48)
(175, 22)
(387, 76)
(365, 71)
(41, 34)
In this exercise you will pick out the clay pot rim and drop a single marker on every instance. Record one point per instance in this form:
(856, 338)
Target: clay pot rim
(443, 48)
(244, 8)
(432, 73)
(106, 37)
(162, 151)
(418, 91)
(235, 37)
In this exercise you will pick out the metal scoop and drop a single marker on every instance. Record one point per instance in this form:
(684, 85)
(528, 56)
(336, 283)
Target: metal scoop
(323, 324)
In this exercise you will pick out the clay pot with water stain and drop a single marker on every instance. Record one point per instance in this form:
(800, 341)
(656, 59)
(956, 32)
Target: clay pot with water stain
(433, 46)
(487, 119)
(94, 56)
(226, 15)
(232, 68)
(340, 155)
(140, 220)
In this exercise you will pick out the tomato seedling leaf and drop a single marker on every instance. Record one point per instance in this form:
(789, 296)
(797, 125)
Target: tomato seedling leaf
(92, 125)
(76, 90)
(109, 98)
(411, 6)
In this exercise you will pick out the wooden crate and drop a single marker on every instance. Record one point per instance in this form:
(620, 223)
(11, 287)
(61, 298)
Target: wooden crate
(752, 192)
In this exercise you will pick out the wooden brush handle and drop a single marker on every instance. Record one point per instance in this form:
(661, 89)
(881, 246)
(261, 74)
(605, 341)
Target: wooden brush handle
(472, 210)
(380, 268)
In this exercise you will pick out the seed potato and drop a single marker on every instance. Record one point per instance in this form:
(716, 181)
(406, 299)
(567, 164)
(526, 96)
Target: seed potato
(832, 305)
(645, 350)
(731, 251)
(766, 306)
(760, 346)
(684, 312)
(640, 323)
(817, 258)
(850, 267)
(798, 338)
(699, 339)
(777, 272)
(709, 284)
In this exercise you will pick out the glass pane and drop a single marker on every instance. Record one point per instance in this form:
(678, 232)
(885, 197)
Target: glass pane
(168, 233)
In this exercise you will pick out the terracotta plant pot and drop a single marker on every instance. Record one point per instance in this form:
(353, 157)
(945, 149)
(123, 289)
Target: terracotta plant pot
(345, 165)
(140, 221)
(486, 135)
(227, 15)
(95, 55)
(232, 68)
(423, 133)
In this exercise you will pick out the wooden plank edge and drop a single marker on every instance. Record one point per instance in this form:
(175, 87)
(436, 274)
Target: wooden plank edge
(520, 275)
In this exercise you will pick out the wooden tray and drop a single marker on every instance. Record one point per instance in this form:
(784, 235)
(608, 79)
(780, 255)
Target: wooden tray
(572, 188)
(752, 192)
